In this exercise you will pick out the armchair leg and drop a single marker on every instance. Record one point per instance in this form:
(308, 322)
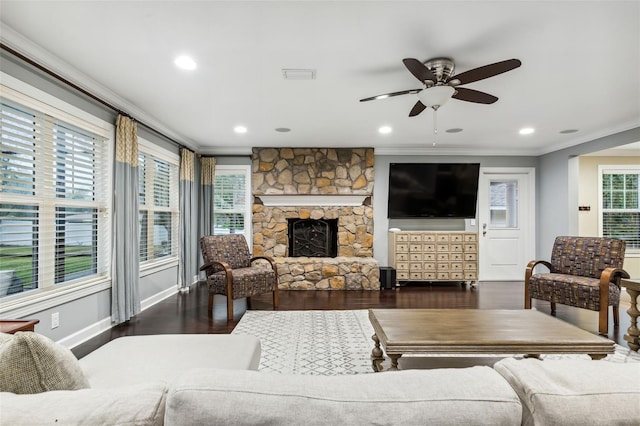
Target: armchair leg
(210, 304)
(553, 308)
(276, 299)
(603, 320)
(229, 307)
(616, 315)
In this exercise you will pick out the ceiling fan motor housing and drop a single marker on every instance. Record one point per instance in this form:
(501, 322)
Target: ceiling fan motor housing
(442, 68)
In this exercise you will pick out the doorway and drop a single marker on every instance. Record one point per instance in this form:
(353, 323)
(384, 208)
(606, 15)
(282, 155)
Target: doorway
(506, 213)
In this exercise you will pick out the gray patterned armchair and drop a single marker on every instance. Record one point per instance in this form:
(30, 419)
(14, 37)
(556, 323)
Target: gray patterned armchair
(230, 270)
(584, 272)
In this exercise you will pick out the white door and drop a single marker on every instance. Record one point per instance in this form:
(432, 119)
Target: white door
(506, 213)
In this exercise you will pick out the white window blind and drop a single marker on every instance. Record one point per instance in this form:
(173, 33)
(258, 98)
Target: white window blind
(158, 186)
(620, 208)
(230, 201)
(55, 203)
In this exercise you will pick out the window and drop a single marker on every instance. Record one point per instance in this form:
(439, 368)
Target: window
(619, 203)
(158, 198)
(54, 211)
(503, 200)
(231, 201)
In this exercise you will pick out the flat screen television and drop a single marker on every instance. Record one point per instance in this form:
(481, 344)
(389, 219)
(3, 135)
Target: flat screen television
(433, 190)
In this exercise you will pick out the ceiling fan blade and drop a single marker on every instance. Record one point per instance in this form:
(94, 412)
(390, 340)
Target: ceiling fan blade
(419, 70)
(388, 95)
(471, 95)
(486, 71)
(417, 109)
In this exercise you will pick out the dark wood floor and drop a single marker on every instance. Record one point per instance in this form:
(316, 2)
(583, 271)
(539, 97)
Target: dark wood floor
(187, 313)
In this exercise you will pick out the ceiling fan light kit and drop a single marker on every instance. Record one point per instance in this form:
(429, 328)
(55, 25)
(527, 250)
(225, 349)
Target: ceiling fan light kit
(436, 96)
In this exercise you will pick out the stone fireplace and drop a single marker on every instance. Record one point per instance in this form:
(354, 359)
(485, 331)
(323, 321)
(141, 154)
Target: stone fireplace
(316, 190)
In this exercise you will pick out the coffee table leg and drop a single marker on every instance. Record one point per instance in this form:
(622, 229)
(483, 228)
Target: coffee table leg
(376, 355)
(597, 356)
(394, 361)
(633, 334)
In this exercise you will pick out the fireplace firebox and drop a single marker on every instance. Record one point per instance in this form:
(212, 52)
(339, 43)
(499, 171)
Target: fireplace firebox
(313, 237)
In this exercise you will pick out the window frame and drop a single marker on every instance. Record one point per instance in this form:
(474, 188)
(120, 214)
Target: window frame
(246, 170)
(615, 169)
(152, 265)
(50, 294)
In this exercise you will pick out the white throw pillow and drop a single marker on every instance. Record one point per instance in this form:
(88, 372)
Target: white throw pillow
(33, 363)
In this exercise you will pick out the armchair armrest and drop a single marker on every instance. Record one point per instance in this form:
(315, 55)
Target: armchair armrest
(612, 275)
(527, 275)
(224, 265)
(268, 259)
(530, 267)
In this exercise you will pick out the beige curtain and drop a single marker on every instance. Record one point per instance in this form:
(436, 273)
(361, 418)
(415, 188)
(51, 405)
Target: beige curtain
(125, 289)
(207, 176)
(208, 170)
(188, 266)
(208, 165)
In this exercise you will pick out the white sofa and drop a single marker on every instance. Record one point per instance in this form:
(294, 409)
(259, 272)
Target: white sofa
(552, 392)
(210, 379)
(128, 378)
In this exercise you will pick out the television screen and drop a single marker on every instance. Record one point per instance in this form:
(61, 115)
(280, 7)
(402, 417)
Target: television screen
(433, 190)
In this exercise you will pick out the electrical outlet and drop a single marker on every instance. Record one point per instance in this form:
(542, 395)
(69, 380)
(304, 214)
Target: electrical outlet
(55, 319)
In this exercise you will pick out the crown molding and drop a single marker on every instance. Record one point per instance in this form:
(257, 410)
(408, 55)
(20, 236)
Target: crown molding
(443, 150)
(590, 137)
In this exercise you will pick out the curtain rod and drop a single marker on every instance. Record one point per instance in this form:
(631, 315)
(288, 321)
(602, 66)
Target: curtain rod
(86, 93)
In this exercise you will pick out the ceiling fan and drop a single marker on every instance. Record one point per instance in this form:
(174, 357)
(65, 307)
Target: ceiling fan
(440, 83)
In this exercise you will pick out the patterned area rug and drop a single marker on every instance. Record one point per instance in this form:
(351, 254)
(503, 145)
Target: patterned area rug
(333, 342)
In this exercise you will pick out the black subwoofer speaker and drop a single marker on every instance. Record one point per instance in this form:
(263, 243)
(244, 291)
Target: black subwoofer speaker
(387, 278)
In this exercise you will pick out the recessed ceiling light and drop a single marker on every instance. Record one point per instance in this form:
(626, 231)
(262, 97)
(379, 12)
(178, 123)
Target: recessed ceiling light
(240, 129)
(283, 129)
(185, 62)
(568, 131)
(385, 130)
(527, 130)
(454, 130)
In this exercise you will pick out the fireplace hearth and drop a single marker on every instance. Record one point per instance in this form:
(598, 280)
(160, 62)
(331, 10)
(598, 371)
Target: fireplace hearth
(313, 237)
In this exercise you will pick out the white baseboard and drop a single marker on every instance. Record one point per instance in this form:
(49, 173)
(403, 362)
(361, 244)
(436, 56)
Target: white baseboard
(105, 324)
(158, 297)
(86, 333)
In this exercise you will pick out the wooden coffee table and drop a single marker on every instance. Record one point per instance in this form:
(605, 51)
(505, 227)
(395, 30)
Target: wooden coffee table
(477, 331)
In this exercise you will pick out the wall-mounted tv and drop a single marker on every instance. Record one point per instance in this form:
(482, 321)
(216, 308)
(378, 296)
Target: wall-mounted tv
(433, 190)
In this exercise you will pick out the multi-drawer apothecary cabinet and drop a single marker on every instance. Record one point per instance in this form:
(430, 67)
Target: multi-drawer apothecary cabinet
(434, 255)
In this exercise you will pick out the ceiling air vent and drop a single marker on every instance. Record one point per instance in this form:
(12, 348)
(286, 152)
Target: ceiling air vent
(297, 74)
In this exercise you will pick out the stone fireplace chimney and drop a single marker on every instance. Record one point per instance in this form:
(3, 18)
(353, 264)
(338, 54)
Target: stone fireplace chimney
(315, 187)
